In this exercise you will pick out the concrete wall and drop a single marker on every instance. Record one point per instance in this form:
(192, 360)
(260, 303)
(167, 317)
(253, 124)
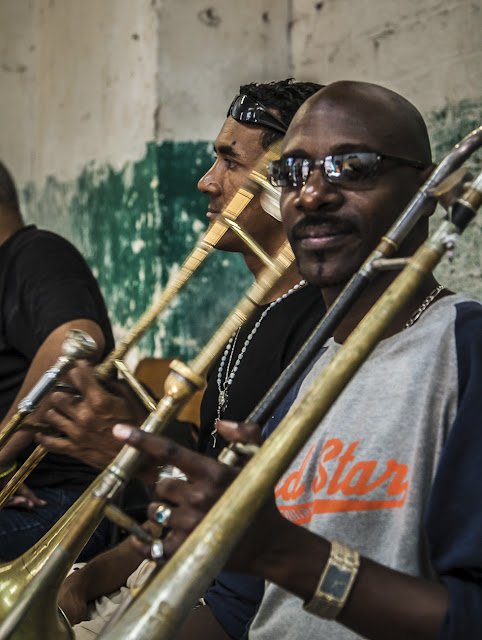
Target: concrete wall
(109, 109)
(428, 51)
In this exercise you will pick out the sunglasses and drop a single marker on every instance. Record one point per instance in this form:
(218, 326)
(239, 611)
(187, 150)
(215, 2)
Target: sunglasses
(342, 168)
(247, 111)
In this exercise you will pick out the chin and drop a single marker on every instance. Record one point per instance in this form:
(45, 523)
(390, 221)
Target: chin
(230, 242)
(322, 275)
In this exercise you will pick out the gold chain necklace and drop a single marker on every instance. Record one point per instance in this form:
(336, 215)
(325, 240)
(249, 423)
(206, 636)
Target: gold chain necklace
(425, 304)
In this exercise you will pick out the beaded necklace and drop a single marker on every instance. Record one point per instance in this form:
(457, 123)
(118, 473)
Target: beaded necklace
(226, 375)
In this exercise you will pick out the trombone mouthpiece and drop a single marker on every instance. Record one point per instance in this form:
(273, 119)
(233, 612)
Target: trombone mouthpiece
(78, 344)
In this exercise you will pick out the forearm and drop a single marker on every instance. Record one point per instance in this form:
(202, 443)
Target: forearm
(17, 443)
(382, 603)
(105, 573)
(202, 625)
(45, 357)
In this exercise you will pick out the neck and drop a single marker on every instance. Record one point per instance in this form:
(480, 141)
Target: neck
(370, 296)
(286, 282)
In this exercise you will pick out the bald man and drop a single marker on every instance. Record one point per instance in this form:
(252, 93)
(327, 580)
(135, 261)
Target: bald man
(374, 530)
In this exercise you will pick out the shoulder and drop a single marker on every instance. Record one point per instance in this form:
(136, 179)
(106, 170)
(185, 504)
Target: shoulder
(454, 321)
(468, 343)
(37, 251)
(32, 239)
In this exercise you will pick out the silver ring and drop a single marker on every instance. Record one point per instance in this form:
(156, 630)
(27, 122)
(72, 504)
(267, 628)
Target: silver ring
(168, 471)
(157, 550)
(162, 515)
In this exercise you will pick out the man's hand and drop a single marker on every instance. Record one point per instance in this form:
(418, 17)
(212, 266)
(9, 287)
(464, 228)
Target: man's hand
(24, 498)
(85, 417)
(207, 479)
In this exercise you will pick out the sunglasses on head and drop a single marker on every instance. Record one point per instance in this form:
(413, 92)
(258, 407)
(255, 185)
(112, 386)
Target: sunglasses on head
(247, 111)
(341, 168)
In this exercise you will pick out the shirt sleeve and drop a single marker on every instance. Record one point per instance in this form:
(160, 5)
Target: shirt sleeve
(454, 516)
(234, 600)
(49, 284)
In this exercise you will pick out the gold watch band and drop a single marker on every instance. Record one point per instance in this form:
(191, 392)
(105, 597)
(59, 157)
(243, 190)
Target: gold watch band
(335, 583)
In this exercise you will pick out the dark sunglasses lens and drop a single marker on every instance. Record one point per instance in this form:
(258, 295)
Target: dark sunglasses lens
(296, 171)
(274, 173)
(350, 167)
(300, 169)
(244, 109)
(292, 172)
(243, 112)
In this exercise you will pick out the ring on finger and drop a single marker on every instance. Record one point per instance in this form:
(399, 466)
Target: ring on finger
(162, 515)
(169, 471)
(157, 550)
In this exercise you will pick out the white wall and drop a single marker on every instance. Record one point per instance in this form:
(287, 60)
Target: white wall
(206, 50)
(429, 51)
(97, 79)
(89, 89)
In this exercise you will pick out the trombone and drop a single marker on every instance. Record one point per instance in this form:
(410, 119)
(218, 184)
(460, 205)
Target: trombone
(257, 180)
(29, 585)
(167, 600)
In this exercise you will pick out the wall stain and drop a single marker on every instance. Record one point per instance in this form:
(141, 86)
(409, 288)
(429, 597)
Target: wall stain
(17, 68)
(382, 35)
(210, 17)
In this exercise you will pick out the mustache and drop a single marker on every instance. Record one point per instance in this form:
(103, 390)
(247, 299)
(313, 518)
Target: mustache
(330, 221)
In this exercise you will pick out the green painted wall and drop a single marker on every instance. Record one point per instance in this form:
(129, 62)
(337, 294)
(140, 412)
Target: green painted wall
(135, 226)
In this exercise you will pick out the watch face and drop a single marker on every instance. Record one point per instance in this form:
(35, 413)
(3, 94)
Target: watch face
(335, 583)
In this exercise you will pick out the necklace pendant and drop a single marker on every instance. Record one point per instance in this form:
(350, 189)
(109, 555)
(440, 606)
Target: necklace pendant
(223, 399)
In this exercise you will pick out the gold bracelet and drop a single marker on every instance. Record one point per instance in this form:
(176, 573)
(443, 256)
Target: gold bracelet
(9, 471)
(335, 583)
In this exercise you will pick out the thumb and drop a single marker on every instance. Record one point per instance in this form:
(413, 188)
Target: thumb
(245, 432)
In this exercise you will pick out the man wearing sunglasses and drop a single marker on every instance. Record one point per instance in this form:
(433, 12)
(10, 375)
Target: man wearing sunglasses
(374, 530)
(257, 117)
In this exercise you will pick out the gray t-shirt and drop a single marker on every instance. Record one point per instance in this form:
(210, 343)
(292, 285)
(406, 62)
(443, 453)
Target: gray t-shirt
(365, 476)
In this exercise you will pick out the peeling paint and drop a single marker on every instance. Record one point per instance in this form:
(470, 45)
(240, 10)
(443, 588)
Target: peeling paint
(135, 226)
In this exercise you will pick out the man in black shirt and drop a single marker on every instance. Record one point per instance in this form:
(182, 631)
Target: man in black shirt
(46, 289)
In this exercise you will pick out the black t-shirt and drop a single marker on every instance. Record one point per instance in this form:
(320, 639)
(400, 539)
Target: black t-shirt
(44, 283)
(279, 337)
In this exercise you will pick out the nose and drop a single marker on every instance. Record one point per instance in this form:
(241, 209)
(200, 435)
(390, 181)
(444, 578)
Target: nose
(317, 193)
(208, 183)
